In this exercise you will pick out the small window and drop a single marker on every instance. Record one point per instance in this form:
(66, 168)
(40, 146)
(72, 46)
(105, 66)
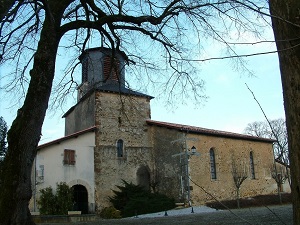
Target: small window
(213, 172)
(252, 170)
(69, 157)
(120, 146)
(40, 172)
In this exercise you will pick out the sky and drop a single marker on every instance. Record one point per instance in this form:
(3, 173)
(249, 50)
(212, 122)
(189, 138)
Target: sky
(230, 105)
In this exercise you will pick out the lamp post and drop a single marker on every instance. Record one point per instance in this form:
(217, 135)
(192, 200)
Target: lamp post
(187, 155)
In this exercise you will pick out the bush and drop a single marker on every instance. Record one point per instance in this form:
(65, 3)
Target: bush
(132, 199)
(58, 204)
(110, 213)
(64, 198)
(47, 201)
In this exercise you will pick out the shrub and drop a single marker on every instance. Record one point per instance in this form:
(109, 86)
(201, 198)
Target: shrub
(57, 204)
(133, 199)
(110, 213)
(47, 201)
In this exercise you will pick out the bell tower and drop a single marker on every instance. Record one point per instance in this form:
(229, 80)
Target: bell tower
(103, 100)
(100, 67)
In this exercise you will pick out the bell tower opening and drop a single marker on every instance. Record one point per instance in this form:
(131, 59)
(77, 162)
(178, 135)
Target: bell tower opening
(100, 67)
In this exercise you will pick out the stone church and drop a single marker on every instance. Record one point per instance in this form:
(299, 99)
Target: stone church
(110, 137)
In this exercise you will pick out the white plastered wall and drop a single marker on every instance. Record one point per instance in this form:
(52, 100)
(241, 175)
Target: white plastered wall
(51, 158)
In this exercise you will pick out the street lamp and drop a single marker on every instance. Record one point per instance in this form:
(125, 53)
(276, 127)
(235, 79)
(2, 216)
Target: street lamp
(188, 154)
(193, 150)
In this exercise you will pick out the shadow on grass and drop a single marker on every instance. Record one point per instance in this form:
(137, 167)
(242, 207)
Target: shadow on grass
(256, 201)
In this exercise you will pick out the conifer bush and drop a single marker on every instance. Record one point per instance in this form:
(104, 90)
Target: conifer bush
(132, 200)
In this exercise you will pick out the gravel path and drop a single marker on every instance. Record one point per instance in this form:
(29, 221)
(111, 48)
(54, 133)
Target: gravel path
(273, 215)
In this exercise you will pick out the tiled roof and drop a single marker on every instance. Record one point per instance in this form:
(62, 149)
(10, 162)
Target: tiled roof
(74, 135)
(205, 131)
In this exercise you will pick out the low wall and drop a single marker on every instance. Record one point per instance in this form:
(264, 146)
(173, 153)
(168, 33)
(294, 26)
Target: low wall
(64, 218)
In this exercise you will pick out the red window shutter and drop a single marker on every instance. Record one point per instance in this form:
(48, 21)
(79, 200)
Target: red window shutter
(69, 157)
(72, 157)
(66, 157)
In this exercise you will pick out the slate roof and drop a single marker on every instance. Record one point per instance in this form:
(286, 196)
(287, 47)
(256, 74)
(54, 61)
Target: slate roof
(112, 87)
(205, 131)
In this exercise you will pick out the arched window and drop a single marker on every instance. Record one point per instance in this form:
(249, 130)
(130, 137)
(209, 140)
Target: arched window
(120, 146)
(213, 172)
(252, 170)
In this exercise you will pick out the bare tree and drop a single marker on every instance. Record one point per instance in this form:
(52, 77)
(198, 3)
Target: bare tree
(286, 28)
(273, 129)
(280, 174)
(239, 174)
(154, 181)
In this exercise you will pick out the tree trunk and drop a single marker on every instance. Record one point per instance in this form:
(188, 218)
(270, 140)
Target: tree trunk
(286, 27)
(238, 197)
(25, 131)
(5, 6)
(279, 193)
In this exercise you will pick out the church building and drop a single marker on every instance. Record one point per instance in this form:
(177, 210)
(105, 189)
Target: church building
(110, 137)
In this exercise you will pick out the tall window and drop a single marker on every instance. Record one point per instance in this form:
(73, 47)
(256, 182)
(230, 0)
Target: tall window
(252, 170)
(69, 157)
(213, 172)
(120, 146)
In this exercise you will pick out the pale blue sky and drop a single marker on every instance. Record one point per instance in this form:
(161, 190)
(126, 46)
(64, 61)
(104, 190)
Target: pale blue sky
(230, 106)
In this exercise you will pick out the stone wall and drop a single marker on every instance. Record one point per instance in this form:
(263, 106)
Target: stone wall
(82, 116)
(166, 143)
(152, 152)
(121, 117)
(228, 150)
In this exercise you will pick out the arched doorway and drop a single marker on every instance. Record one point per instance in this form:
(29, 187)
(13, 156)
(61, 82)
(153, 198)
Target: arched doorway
(143, 177)
(80, 199)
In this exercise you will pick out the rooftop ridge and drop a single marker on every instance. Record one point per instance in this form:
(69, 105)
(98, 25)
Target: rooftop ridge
(211, 132)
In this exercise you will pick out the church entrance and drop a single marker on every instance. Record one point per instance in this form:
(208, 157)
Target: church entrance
(143, 177)
(80, 199)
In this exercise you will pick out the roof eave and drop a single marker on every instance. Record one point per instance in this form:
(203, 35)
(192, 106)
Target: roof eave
(208, 132)
(74, 135)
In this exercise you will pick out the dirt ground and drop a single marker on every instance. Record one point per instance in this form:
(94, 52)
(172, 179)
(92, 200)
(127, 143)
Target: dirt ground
(272, 215)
